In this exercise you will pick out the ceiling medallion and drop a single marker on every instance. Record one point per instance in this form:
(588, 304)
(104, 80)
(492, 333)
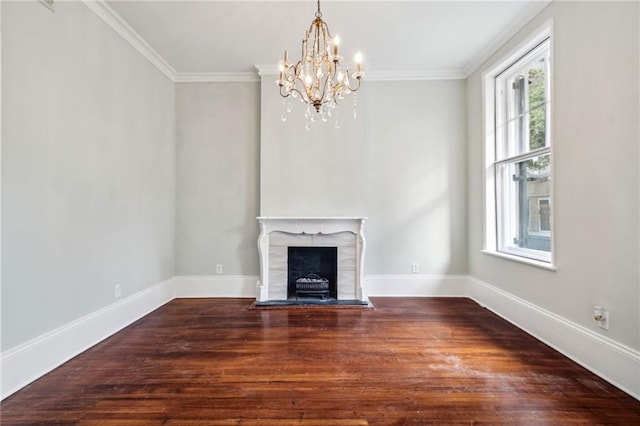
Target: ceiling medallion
(317, 78)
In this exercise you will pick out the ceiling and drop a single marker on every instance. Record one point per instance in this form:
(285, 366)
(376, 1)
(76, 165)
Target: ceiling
(395, 37)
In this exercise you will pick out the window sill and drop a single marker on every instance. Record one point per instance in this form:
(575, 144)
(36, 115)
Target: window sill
(526, 261)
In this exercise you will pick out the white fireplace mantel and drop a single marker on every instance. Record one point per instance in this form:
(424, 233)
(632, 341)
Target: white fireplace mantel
(324, 231)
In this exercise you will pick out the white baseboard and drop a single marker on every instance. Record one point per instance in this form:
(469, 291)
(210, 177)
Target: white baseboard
(614, 362)
(31, 360)
(416, 285)
(215, 286)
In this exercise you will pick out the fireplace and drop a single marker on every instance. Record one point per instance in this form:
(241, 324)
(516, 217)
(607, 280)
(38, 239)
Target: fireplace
(312, 273)
(340, 239)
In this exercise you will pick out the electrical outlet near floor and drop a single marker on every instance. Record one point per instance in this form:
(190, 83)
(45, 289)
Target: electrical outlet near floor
(118, 290)
(218, 268)
(415, 268)
(601, 317)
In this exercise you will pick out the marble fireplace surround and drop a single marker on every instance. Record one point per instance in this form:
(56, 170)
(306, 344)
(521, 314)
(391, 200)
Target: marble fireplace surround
(279, 233)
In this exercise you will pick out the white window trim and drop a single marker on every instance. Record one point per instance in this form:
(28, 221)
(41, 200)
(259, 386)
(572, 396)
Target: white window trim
(525, 260)
(490, 210)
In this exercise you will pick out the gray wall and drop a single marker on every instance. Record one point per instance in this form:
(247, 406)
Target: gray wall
(416, 177)
(311, 173)
(217, 172)
(87, 168)
(595, 148)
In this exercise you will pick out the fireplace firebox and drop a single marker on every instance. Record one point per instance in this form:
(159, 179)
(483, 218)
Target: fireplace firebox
(312, 273)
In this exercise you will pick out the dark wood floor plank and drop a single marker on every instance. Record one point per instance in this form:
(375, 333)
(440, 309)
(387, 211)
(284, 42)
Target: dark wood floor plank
(408, 361)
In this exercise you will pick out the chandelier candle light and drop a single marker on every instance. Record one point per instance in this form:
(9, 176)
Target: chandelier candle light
(316, 78)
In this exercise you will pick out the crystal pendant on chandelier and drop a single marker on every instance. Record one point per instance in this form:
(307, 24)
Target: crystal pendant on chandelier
(317, 78)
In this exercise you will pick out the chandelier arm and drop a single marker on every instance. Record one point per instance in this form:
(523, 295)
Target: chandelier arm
(286, 94)
(337, 90)
(316, 40)
(326, 35)
(357, 87)
(297, 69)
(292, 75)
(296, 77)
(303, 94)
(324, 90)
(329, 81)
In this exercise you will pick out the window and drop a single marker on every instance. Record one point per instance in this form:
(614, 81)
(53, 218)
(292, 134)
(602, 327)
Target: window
(518, 166)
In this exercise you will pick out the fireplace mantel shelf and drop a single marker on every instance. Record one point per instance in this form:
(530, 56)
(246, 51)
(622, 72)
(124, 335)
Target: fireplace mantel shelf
(311, 225)
(310, 218)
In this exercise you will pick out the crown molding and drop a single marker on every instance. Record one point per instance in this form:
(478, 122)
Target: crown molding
(530, 11)
(216, 77)
(120, 26)
(267, 69)
(445, 74)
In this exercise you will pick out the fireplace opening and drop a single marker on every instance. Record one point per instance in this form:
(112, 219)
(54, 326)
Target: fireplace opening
(312, 273)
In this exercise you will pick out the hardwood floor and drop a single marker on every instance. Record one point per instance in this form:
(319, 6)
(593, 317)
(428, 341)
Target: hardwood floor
(409, 361)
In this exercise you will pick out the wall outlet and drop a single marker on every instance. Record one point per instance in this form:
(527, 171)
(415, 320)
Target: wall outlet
(415, 268)
(218, 268)
(601, 317)
(118, 291)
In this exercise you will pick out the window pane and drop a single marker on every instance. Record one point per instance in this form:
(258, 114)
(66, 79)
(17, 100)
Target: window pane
(524, 193)
(523, 90)
(517, 119)
(537, 82)
(537, 105)
(538, 128)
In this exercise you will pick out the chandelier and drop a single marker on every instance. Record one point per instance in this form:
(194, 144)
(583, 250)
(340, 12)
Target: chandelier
(317, 78)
